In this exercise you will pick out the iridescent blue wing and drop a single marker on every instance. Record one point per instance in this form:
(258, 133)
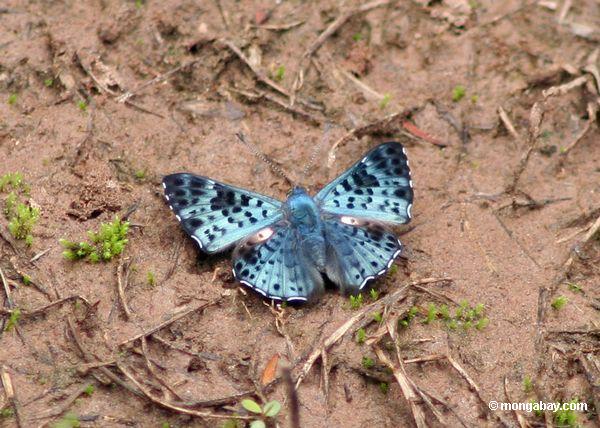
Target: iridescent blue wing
(377, 187)
(357, 250)
(218, 215)
(271, 262)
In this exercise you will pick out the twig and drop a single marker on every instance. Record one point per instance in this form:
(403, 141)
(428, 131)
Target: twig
(201, 355)
(64, 406)
(329, 31)
(535, 119)
(563, 89)
(369, 128)
(173, 319)
(292, 398)
(170, 406)
(509, 125)
(564, 10)
(7, 291)
(40, 254)
(25, 313)
(151, 369)
(9, 392)
(592, 110)
(123, 266)
(279, 27)
(593, 379)
(591, 232)
(390, 299)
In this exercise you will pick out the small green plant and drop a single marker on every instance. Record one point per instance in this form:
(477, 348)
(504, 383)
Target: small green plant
(384, 387)
(356, 301)
(70, 420)
(357, 37)
(377, 317)
(269, 410)
(279, 73)
(48, 82)
(468, 317)
(482, 323)
(474, 99)
(458, 93)
(26, 279)
(13, 320)
(536, 409)
(165, 425)
(89, 390)
(22, 221)
(7, 412)
(140, 174)
(374, 294)
(12, 180)
(139, 4)
(566, 417)
(392, 271)
(82, 105)
(12, 99)
(151, 278)
(575, 288)
(368, 363)
(104, 245)
(9, 204)
(412, 312)
(432, 313)
(385, 101)
(527, 384)
(444, 312)
(559, 303)
(361, 335)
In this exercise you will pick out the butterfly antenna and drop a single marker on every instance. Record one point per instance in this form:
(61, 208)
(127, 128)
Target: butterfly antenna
(313, 156)
(256, 151)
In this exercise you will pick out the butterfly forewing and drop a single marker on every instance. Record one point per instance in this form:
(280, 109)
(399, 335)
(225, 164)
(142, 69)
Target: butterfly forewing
(271, 263)
(218, 215)
(378, 187)
(358, 250)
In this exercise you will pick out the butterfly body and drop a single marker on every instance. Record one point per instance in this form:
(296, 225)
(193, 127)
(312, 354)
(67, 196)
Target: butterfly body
(283, 250)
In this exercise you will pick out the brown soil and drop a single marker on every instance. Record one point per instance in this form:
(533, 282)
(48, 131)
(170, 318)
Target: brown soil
(82, 167)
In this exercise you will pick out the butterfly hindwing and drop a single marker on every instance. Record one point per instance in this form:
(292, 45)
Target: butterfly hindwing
(358, 250)
(271, 263)
(377, 187)
(218, 215)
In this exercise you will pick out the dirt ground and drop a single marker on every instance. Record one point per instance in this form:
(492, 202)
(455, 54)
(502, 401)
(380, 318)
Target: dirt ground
(496, 103)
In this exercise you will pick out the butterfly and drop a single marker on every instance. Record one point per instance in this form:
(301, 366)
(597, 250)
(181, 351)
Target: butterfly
(284, 249)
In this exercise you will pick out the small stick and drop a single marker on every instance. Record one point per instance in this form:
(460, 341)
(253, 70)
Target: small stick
(592, 379)
(563, 89)
(9, 392)
(153, 371)
(509, 125)
(9, 299)
(279, 27)
(65, 405)
(124, 263)
(592, 110)
(41, 309)
(293, 398)
(591, 232)
(535, 120)
(162, 325)
(394, 297)
(40, 254)
(564, 10)
(170, 406)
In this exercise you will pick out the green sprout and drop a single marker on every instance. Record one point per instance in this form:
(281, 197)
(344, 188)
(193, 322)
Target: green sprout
(22, 221)
(412, 312)
(361, 335)
(7, 412)
(151, 278)
(9, 204)
(269, 410)
(82, 105)
(559, 302)
(13, 320)
(104, 245)
(374, 294)
(444, 312)
(140, 174)
(12, 180)
(566, 417)
(368, 363)
(139, 4)
(26, 279)
(458, 93)
(49, 82)
(575, 288)
(432, 313)
(89, 390)
(356, 301)
(393, 270)
(527, 384)
(279, 73)
(384, 387)
(357, 37)
(377, 317)
(385, 101)
(70, 420)
(12, 99)
(482, 323)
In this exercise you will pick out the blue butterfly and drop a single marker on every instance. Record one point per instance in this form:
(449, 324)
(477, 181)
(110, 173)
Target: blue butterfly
(283, 249)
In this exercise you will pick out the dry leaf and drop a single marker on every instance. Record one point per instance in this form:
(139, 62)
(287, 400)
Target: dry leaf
(270, 371)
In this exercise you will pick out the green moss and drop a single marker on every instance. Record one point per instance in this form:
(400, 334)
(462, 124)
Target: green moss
(22, 221)
(559, 303)
(150, 278)
(13, 320)
(140, 174)
(527, 384)
(89, 390)
(49, 82)
(103, 245)
(70, 420)
(458, 93)
(361, 335)
(566, 418)
(82, 105)
(432, 313)
(279, 73)
(12, 180)
(374, 294)
(385, 101)
(356, 301)
(368, 363)
(377, 317)
(12, 99)
(357, 37)
(405, 322)
(26, 279)
(384, 387)
(7, 412)
(575, 288)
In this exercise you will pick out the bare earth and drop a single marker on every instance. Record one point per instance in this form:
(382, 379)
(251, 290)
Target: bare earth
(510, 240)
